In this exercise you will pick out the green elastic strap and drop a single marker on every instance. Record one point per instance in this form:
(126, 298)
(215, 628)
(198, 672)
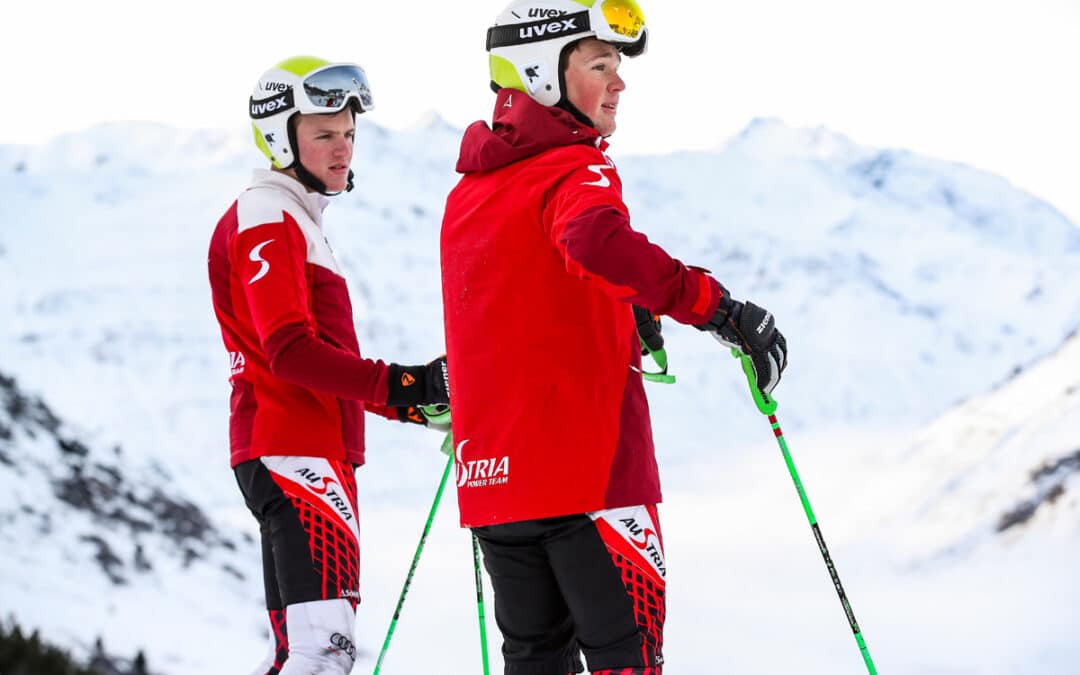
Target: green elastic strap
(765, 403)
(660, 356)
(439, 413)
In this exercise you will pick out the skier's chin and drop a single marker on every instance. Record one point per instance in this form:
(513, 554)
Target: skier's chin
(336, 181)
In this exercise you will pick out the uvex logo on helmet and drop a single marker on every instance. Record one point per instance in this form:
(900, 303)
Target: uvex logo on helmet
(539, 30)
(266, 107)
(541, 13)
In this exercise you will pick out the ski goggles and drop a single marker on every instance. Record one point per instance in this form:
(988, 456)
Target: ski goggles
(330, 88)
(618, 21)
(326, 90)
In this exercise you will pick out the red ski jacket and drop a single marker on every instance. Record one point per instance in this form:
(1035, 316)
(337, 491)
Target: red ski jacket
(299, 383)
(539, 269)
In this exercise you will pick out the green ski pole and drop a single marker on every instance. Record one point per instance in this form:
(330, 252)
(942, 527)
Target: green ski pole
(440, 414)
(480, 603)
(447, 443)
(767, 406)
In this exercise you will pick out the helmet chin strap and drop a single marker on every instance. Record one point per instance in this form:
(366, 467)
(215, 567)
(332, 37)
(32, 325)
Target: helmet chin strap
(309, 180)
(569, 107)
(564, 102)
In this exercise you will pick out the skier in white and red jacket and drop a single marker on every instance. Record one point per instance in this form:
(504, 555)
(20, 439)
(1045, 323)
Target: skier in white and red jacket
(300, 385)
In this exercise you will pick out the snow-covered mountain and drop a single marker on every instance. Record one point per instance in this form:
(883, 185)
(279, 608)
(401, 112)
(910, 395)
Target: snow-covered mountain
(909, 288)
(94, 540)
(902, 283)
(1006, 465)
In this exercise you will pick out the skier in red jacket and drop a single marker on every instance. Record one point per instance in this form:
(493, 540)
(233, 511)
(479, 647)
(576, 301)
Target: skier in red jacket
(299, 383)
(557, 475)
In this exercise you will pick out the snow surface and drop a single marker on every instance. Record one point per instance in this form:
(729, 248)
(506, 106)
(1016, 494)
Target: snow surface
(926, 306)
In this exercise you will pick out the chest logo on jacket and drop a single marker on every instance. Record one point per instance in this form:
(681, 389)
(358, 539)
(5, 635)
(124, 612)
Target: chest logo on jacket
(599, 170)
(486, 472)
(256, 256)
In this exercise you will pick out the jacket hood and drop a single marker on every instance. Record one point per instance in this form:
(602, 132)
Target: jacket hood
(521, 128)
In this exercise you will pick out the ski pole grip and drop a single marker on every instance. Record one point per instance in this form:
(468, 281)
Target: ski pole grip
(765, 403)
(660, 357)
(652, 342)
(662, 378)
(439, 413)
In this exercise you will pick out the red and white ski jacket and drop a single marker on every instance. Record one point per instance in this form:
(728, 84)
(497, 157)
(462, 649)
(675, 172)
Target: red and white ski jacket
(540, 267)
(299, 383)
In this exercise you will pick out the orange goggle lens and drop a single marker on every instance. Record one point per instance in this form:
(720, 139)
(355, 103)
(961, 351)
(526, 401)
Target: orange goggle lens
(624, 17)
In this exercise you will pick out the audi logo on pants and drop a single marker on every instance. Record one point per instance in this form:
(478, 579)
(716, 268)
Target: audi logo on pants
(344, 644)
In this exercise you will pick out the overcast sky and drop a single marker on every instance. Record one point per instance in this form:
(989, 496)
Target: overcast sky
(991, 83)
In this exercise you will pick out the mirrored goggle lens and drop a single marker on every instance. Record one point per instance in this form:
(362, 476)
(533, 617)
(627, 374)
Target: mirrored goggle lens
(624, 18)
(331, 88)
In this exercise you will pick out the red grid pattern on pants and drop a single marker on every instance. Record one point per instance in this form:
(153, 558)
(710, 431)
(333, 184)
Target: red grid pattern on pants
(335, 553)
(649, 613)
(281, 640)
(628, 671)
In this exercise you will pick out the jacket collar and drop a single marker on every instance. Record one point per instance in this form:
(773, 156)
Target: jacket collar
(521, 128)
(312, 203)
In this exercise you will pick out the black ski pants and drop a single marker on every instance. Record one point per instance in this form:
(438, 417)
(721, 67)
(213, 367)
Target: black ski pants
(570, 584)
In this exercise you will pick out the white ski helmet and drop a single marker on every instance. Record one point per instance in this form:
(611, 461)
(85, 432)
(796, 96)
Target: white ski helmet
(302, 85)
(529, 36)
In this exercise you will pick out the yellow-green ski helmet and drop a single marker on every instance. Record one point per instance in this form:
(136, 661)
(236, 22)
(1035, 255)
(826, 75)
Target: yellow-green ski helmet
(302, 85)
(528, 38)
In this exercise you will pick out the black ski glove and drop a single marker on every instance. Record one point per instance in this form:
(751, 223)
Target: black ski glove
(648, 329)
(419, 385)
(411, 414)
(752, 330)
(414, 415)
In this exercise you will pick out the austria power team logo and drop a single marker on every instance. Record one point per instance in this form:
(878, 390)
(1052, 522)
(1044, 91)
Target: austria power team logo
(475, 473)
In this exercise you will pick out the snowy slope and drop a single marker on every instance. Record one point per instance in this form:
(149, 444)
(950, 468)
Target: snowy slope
(97, 544)
(888, 271)
(1006, 466)
(971, 527)
(904, 285)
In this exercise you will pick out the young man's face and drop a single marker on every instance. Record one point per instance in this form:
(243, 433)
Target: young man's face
(593, 83)
(325, 146)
